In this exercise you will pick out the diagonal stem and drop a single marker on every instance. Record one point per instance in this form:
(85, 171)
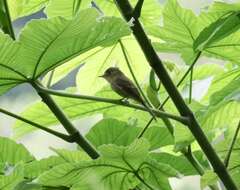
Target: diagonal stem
(226, 161)
(166, 100)
(157, 65)
(64, 120)
(55, 133)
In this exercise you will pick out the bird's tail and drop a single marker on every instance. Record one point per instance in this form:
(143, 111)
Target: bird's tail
(149, 110)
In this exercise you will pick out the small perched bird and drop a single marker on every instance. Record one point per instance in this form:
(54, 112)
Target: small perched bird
(124, 86)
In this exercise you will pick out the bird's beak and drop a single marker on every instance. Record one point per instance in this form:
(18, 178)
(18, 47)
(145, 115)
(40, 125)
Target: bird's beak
(102, 76)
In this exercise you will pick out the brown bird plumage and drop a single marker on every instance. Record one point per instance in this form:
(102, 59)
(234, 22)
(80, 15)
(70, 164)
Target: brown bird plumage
(123, 86)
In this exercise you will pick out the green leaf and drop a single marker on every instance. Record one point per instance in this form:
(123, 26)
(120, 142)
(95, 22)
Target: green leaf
(71, 156)
(22, 8)
(150, 15)
(11, 73)
(84, 32)
(209, 178)
(8, 182)
(180, 163)
(45, 44)
(179, 30)
(227, 48)
(217, 31)
(25, 185)
(37, 167)
(158, 137)
(111, 171)
(112, 131)
(228, 93)
(13, 153)
(65, 8)
(207, 70)
(219, 82)
(88, 81)
(215, 117)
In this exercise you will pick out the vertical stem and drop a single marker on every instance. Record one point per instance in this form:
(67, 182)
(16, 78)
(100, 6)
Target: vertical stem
(154, 61)
(226, 161)
(5, 20)
(57, 111)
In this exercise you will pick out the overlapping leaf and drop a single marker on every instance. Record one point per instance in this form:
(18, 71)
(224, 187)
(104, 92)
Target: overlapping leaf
(181, 31)
(101, 58)
(13, 153)
(45, 44)
(111, 171)
(112, 131)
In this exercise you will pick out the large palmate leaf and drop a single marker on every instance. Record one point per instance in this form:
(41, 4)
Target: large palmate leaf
(223, 101)
(66, 39)
(111, 171)
(22, 8)
(179, 30)
(177, 162)
(13, 153)
(222, 22)
(112, 131)
(10, 72)
(37, 167)
(219, 33)
(150, 13)
(150, 16)
(72, 156)
(45, 44)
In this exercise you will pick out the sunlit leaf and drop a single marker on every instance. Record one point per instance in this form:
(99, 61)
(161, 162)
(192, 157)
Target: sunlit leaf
(13, 153)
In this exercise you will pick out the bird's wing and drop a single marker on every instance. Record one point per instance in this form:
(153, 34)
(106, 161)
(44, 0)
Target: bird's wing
(128, 88)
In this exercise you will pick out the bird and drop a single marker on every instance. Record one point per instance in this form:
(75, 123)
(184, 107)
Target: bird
(123, 86)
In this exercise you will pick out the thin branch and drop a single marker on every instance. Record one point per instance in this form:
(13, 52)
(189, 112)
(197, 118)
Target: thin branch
(158, 113)
(234, 167)
(184, 76)
(49, 82)
(190, 87)
(226, 161)
(124, 51)
(60, 135)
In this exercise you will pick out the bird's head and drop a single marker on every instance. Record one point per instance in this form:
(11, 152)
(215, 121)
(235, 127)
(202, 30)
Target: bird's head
(111, 74)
